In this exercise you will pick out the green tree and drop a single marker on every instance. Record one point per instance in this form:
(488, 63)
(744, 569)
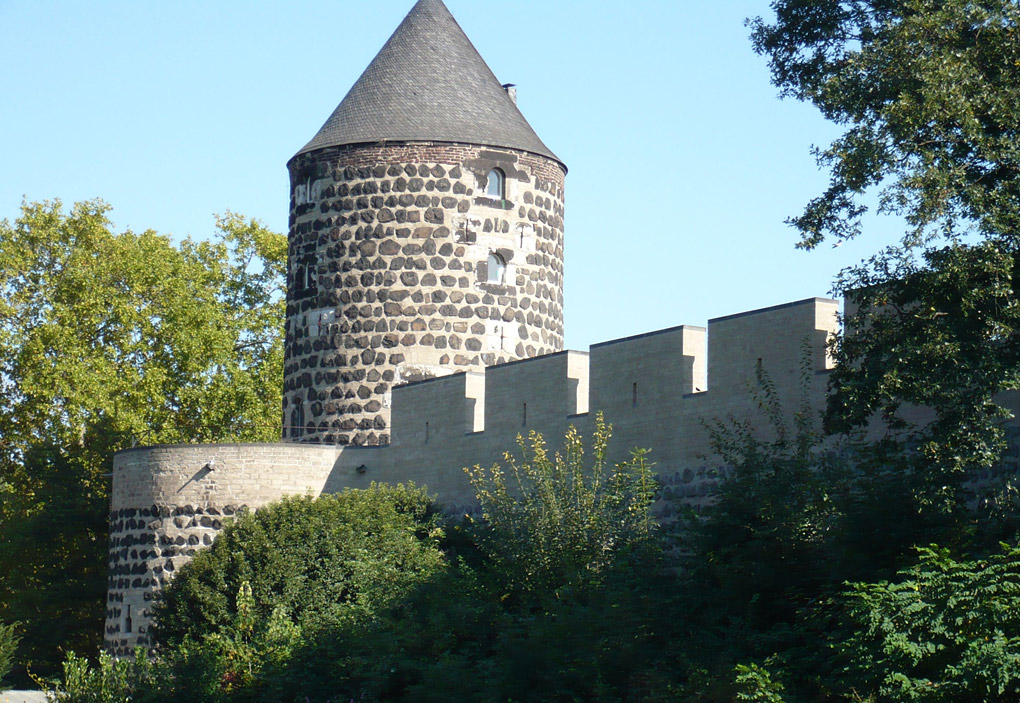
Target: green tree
(552, 522)
(556, 594)
(796, 515)
(375, 595)
(763, 553)
(939, 333)
(284, 604)
(929, 93)
(578, 565)
(945, 630)
(755, 684)
(106, 340)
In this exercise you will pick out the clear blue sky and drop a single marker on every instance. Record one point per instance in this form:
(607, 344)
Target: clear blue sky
(683, 162)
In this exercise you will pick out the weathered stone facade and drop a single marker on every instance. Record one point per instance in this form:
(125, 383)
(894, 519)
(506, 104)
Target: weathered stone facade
(169, 501)
(391, 276)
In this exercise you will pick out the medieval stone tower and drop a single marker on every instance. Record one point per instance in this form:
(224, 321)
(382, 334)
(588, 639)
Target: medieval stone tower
(426, 235)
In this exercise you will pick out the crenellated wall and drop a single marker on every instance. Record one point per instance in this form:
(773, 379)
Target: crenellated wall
(658, 390)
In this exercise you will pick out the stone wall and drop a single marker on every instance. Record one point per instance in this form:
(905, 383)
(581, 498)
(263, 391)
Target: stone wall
(389, 276)
(658, 390)
(169, 501)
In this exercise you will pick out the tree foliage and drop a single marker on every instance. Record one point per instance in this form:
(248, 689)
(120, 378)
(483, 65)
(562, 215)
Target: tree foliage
(109, 681)
(375, 595)
(796, 516)
(930, 93)
(8, 645)
(324, 561)
(762, 550)
(554, 594)
(945, 631)
(939, 333)
(555, 522)
(106, 340)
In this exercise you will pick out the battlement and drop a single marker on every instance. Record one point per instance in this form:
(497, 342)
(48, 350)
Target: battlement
(658, 390)
(656, 372)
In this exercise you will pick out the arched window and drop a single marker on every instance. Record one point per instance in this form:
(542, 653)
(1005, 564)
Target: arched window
(495, 186)
(497, 268)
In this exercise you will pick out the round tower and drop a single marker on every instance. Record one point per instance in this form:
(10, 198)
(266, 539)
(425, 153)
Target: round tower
(426, 235)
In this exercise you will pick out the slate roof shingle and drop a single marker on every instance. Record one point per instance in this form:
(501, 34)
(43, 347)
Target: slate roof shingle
(428, 83)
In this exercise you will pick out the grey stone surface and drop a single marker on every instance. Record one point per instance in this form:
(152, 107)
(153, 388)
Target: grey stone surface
(398, 280)
(22, 697)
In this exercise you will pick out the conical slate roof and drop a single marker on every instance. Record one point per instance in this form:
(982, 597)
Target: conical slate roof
(428, 83)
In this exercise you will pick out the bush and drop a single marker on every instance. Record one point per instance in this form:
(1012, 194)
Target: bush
(8, 643)
(553, 524)
(557, 594)
(945, 632)
(334, 558)
(110, 681)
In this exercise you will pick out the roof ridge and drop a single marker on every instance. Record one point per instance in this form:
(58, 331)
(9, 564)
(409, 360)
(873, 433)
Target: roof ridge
(428, 83)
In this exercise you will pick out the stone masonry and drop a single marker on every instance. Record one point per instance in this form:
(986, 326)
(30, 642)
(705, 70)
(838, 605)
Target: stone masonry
(389, 276)
(167, 502)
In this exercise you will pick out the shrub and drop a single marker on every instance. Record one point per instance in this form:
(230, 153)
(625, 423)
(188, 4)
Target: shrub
(945, 631)
(324, 560)
(8, 643)
(553, 523)
(109, 681)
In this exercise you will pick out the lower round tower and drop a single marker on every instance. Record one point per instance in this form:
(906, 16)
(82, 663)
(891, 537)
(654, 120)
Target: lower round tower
(426, 235)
